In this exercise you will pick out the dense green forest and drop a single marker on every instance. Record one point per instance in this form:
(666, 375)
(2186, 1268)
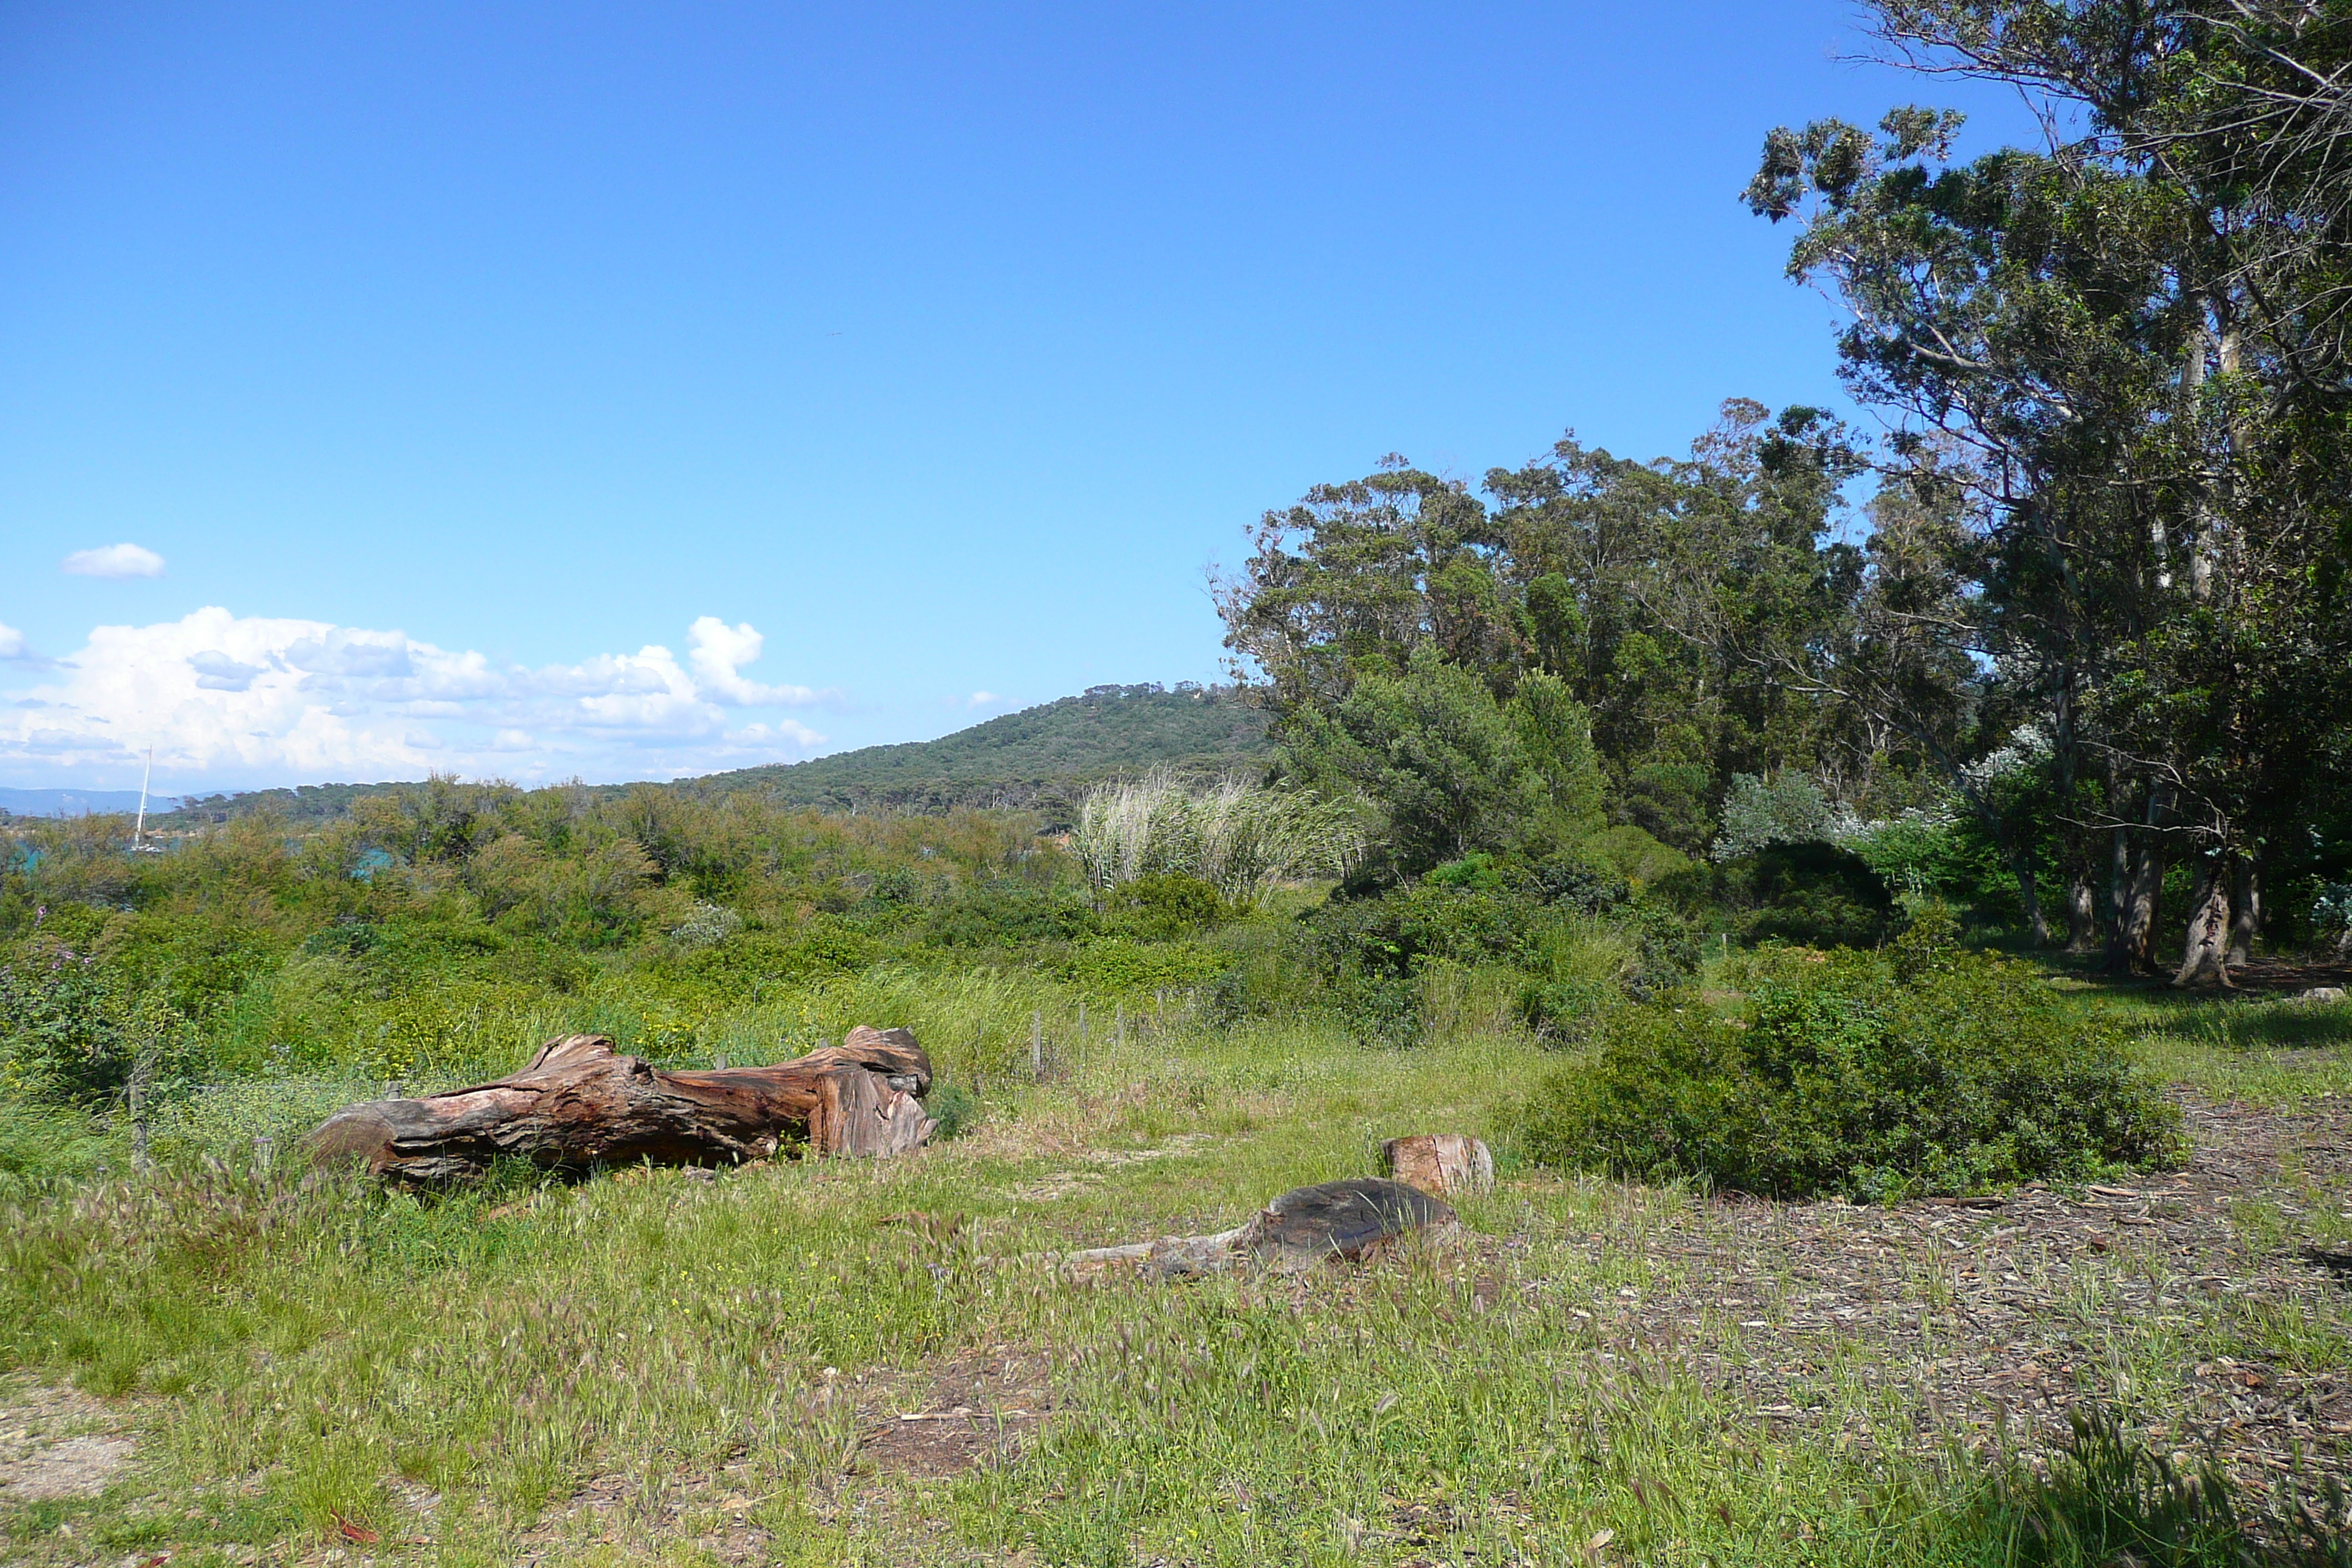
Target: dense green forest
(1876, 835)
(2091, 601)
(1040, 759)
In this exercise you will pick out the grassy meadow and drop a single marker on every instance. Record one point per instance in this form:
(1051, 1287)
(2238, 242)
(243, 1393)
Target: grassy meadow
(303, 1365)
(838, 1362)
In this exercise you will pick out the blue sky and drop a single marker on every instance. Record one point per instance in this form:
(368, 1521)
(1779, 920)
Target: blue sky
(632, 391)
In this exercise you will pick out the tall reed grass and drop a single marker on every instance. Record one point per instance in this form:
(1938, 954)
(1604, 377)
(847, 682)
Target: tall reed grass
(1242, 838)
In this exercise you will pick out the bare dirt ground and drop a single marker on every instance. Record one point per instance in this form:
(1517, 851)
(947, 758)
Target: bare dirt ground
(966, 1412)
(1994, 1318)
(56, 1442)
(2001, 1317)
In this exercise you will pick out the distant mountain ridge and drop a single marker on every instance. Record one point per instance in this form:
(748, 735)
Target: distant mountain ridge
(80, 802)
(1041, 759)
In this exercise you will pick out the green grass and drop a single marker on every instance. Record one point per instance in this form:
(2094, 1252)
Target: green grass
(2252, 1046)
(293, 1357)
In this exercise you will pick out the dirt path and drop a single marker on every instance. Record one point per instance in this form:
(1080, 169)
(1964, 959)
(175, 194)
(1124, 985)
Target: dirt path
(2184, 1290)
(58, 1443)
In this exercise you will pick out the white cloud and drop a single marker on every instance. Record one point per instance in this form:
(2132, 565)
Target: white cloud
(787, 731)
(982, 700)
(115, 561)
(230, 700)
(719, 653)
(12, 643)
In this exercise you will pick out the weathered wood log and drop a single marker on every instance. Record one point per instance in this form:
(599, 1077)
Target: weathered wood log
(1348, 1220)
(1440, 1164)
(578, 1105)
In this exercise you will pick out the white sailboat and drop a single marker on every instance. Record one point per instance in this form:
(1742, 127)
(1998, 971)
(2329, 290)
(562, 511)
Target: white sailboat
(139, 845)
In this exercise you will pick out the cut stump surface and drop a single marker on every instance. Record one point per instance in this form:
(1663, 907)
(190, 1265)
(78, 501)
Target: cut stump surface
(1440, 1164)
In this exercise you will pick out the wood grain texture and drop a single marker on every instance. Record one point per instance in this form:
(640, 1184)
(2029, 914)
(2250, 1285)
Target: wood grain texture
(1344, 1221)
(1440, 1164)
(579, 1104)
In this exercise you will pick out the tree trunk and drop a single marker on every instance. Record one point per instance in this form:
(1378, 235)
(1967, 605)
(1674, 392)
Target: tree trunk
(2205, 953)
(2142, 884)
(2119, 893)
(2245, 909)
(2036, 922)
(577, 1105)
(2082, 915)
(2140, 905)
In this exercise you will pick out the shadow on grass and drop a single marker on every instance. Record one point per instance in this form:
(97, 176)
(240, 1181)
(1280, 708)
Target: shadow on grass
(2107, 1500)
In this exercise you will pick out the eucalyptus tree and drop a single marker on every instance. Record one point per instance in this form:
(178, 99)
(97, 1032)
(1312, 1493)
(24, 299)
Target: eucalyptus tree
(1646, 590)
(2130, 342)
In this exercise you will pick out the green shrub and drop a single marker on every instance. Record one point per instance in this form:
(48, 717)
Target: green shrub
(1579, 976)
(62, 1029)
(1580, 940)
(1009, 914)
(825, 945)
(1476, 869)
(1927, 1068)
(1115, 966)
(1632, 853)
(1168, 905)
(1814, 894)
(955, 1108)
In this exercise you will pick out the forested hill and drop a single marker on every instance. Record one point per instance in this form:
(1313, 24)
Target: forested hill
(1040, 757)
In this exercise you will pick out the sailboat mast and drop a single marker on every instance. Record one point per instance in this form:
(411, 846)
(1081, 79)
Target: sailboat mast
(140, 832)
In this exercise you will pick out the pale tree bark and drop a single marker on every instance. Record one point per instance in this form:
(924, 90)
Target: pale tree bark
(2119, 892)
(2245, 909)
(2036, 922)
(1440, 1164)
(2205, 952)
(2142, 886)
(2140, 906)
(2082, 915)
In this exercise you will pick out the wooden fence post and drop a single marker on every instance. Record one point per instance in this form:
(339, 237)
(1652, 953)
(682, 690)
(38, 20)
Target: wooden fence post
(142, 1078)
(1037, 1045)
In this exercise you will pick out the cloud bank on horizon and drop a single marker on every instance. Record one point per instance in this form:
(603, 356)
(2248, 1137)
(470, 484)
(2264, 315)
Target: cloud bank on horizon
(230, 702)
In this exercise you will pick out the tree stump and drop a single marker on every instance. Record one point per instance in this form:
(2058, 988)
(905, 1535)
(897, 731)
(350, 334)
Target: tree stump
(1441, 1163)
(578, 1104)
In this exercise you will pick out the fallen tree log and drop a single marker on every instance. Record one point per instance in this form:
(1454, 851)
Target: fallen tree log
(1348, 1220)
(578, 1104)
